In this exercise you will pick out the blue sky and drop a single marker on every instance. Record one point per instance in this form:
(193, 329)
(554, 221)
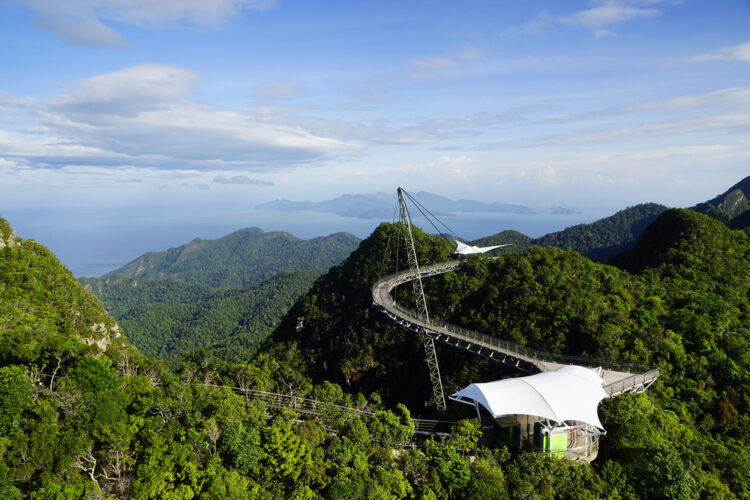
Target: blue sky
(206, 103)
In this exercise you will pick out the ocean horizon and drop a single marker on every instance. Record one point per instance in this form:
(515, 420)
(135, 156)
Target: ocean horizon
(95, 243)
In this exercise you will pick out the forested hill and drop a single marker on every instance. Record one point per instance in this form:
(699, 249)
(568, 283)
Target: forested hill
(40, 299)
(243, 258)
(599, 240)
(686, 309)
(606, 237)
(168, 318)
(684, 240)
(519, 242)
(225, 294)
(731, 207)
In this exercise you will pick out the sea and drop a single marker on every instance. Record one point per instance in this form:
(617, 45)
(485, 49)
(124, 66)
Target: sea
(94, 242)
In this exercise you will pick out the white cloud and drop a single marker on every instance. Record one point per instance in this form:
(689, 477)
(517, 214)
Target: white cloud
(726, 109)
(546, 176)
(433, 66)
(532, 27)
(202, 186)
(456, 167)
(128, 92)
(598, 19)
(417, 134)
(74, 25)
(84, 170)
(179, 174)
(241, 179)
(611, 12)
(732, 97)
(143, 116)
(640, 174)
(602, 33)
(276, 90)
(82, 22)
(8, 166)
(729, 120)
(739, 52)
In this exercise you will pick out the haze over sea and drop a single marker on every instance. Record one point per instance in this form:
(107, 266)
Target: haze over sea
(89, 244)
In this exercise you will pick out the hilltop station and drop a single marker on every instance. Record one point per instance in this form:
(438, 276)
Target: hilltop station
(553, 410)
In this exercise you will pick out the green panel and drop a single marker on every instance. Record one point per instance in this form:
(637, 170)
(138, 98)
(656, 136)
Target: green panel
(558, 443)
(538, 436)
(510, 432)
(510, 436)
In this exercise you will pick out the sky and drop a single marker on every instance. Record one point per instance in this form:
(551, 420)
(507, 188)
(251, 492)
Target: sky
(209, 106)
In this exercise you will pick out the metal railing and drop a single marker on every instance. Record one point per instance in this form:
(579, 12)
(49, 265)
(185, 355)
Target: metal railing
(635, 383)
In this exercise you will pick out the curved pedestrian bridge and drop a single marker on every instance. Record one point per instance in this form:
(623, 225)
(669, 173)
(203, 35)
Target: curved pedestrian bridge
(619, 377)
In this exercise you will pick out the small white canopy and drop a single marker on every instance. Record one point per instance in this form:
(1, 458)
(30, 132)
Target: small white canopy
(568, 393)
(464, 249)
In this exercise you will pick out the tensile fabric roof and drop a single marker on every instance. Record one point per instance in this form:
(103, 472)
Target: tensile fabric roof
(569, 393)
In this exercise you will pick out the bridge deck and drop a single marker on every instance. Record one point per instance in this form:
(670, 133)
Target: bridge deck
(619, 377)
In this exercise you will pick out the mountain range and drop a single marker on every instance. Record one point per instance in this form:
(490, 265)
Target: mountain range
(381, 205)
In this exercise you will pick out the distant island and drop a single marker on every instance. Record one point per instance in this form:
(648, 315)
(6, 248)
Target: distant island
(564, 211)
(380, 205)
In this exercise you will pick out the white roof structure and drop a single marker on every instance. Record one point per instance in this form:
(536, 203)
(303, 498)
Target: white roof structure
(569, 393)
(464, 249)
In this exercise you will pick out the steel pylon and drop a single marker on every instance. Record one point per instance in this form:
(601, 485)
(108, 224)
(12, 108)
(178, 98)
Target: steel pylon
(421, 303)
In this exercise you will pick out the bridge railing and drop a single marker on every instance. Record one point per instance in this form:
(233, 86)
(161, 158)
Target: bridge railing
(329, 411)
(384, 286)
(640, 380)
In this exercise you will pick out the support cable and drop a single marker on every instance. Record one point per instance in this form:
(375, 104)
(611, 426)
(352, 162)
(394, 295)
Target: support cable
(424, 209)
(421, 303)
(388, 245)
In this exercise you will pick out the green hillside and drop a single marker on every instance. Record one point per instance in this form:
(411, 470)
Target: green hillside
(519, 242)
(599, 240)
(685, 309)
(603, 239)
(729, 204)
(122, 294)
(225, 294)
(243, 258)
(741, 222)
(607, 237)
(167, 321)
(40, 297)
(731, 207)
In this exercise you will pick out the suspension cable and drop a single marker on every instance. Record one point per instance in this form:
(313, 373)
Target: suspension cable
(388, 245)
(431, 216)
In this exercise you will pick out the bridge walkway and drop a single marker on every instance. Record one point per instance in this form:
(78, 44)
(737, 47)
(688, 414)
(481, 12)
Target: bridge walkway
(619, 377)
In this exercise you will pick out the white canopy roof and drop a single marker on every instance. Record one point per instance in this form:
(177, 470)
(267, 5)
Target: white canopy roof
(568, 393)
(464, 249)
